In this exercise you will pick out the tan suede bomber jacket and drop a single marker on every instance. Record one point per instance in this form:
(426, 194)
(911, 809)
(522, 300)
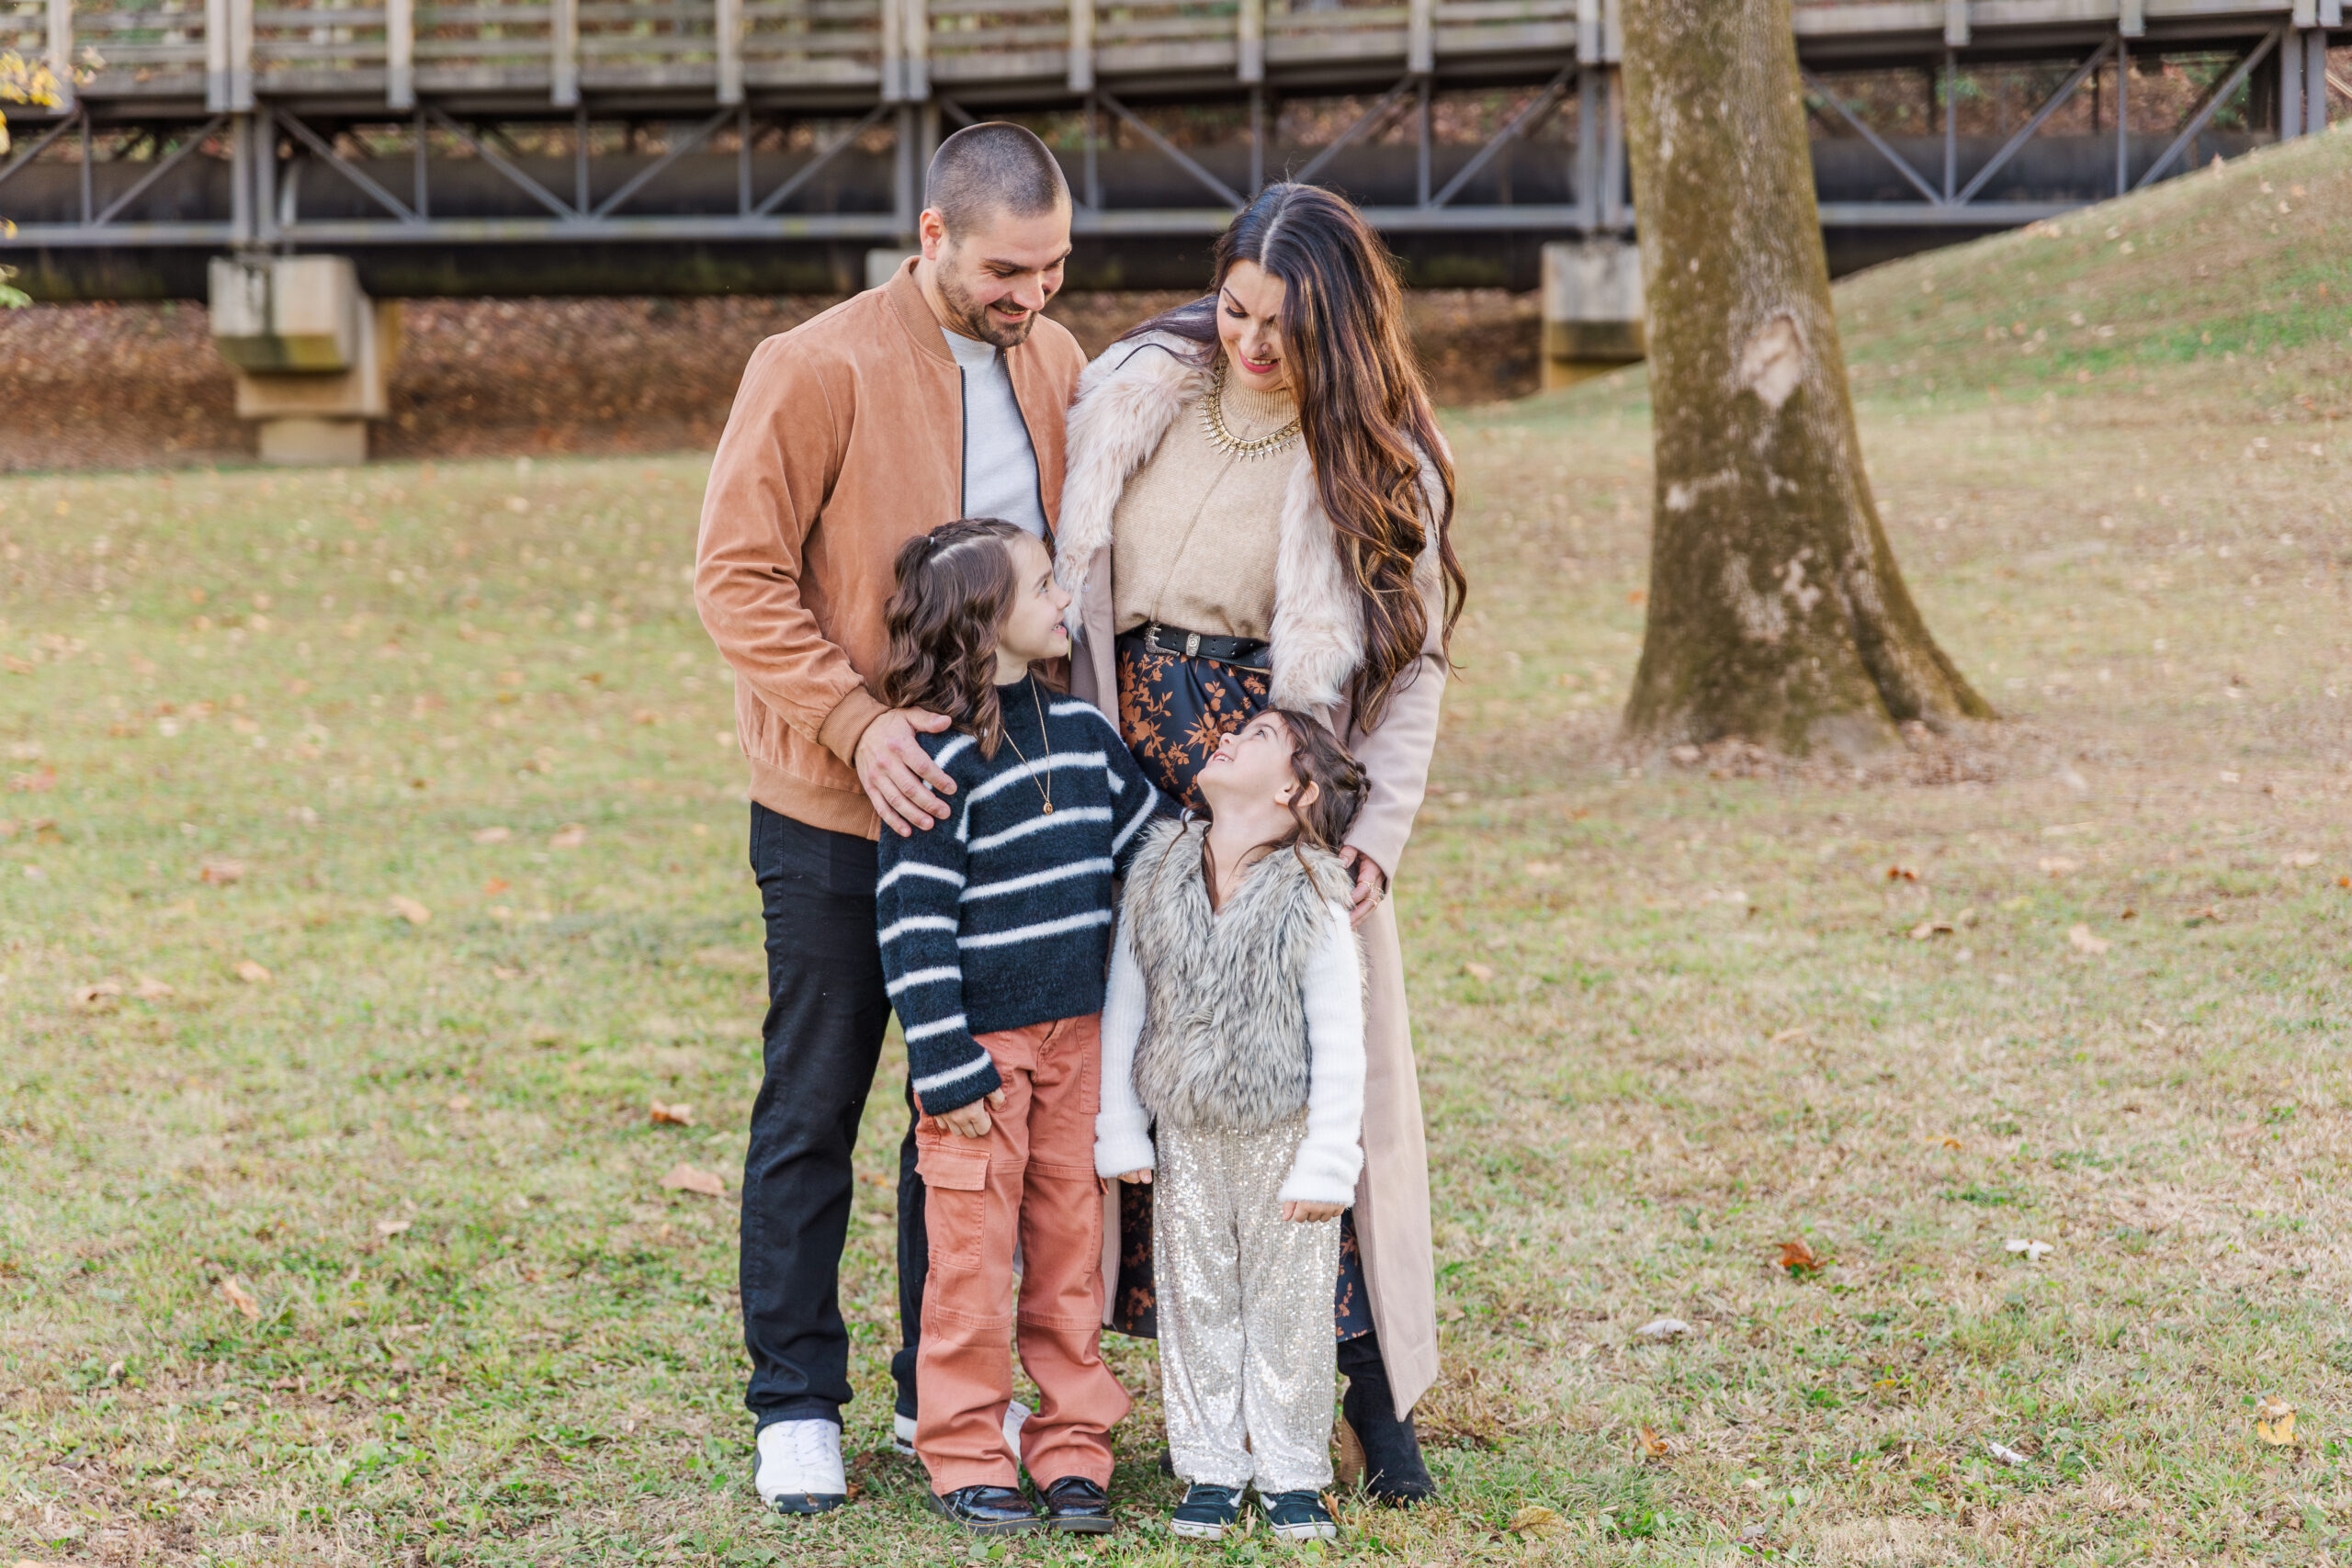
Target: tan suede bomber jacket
(846, 439)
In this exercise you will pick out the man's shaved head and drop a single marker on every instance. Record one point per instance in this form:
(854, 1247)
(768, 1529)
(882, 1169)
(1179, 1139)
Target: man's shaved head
(991, 170)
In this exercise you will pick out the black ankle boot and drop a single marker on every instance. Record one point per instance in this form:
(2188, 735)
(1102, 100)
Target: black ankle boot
(1393, 1471)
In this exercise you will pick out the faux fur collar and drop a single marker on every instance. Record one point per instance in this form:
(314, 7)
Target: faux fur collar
(1126, 401)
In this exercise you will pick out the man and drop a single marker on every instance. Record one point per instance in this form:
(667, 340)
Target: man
(939, 395)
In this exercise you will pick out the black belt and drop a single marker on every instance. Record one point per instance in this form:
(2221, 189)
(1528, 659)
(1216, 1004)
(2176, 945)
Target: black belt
(1242, 652)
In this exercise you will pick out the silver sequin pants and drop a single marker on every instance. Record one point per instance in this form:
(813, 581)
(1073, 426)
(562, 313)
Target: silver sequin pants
(1247, 1354)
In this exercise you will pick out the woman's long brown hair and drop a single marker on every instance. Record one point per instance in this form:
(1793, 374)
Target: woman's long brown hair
(1363, 410)
(954, 586)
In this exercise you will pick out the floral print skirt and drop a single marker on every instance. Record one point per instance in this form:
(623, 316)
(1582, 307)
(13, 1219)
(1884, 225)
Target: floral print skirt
(1172, 711)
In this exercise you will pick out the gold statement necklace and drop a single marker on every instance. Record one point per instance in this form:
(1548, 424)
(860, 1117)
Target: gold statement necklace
(1224, 440)
(1044, 781)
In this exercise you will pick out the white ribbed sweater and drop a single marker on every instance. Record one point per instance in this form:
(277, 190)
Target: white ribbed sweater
(1332, 1154)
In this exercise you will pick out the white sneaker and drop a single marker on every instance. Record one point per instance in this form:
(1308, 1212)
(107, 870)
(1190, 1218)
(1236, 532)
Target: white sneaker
(902, 1429)
(800, 1467)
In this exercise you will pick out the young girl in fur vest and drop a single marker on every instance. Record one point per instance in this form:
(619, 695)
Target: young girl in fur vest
(1234, 1026)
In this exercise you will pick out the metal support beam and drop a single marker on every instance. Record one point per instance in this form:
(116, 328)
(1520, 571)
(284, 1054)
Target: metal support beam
(2215, 96)
(89, 168)
(679, 147)
(216, 55)
(1249, 43)
(825, 154)
(2291, 82)
(1421, 144)
(2315, 82)
(1172, 152)
(357, 177)
(1614, 215)
(1257, 141)
(156, 169)
(1877, 143)
(1587, 177)
(1093, 169)
(1367, 121)
(906, 185)
(1950, 80)
(1530, 116)
(421, 202)
(496, 160)
(2057, 101)
(1420, 37)
(264, 154)
(241, 55)
(27, 153)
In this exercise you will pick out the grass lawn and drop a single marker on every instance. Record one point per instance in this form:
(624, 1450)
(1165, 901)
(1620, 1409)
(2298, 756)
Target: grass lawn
(374, 864)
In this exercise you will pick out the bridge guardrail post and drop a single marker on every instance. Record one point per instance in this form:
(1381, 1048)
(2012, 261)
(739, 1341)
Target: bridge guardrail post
(61, 52)
(2290, 77)
(1955, 24)
(241, 55)
(216, 56)
(727, 28)
(917, 38)
(400, 55)
(1250, 41)
(563, 53)
(1420, 38)
(1081, 46)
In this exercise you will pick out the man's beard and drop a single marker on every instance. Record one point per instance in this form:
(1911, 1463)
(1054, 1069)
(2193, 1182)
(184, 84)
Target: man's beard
(972, 318)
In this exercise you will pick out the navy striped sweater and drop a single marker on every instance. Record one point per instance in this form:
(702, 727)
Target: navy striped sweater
(1000, 916)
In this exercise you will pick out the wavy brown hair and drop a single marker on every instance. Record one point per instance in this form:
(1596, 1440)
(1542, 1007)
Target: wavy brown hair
(1363, 408)
(1341, 785)
(954, 586)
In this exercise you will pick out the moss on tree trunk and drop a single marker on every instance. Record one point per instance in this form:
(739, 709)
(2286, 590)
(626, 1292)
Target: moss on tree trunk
(1777, 613)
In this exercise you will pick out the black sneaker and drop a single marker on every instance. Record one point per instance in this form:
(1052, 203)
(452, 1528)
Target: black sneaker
(989, 1510)
(1207, 1513)
(1299, 1516)
(1074, 1505)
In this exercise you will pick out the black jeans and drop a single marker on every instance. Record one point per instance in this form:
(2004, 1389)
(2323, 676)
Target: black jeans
(827, 1013)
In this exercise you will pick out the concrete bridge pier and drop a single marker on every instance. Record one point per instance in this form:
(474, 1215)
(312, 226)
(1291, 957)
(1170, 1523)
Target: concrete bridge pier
(312, 355)
(1593, 319)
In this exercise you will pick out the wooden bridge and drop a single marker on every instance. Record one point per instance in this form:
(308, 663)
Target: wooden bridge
(583, 145)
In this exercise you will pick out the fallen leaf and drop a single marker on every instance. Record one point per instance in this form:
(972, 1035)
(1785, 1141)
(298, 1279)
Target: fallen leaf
(221, 872)
(1949, 1142)
(233, 1290)
(646, 715)
(390, 1228)
(2032, 1251)
(1535, 1520)
(1479, 971)
(495, 885)
(461, 1102)
(2003, 1452)
(1663, 1328)
(2081, 937)
(571, 836)
(408, 909)
(92, 995)
(1799, 1258)
(679, 1115)
(1654, 1446)
(2208, 916)
(251, 972)
(1901, 874)
(683, 1177)
(151, 990)
(2274, 1421)
(1926, 929)
(40, 781)
(493, 835)
(2058, 865)
(1789, 1036)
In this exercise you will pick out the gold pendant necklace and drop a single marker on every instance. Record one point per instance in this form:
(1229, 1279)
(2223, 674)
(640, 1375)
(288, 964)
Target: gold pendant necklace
(1045, 783)
(1224, 440)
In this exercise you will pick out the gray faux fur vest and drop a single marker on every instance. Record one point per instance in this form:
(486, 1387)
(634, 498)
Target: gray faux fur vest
(1225, 1014)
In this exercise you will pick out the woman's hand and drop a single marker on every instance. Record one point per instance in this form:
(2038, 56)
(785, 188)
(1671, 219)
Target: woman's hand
(971, 1120)
(1136, 1177)
(1310, 1214)
(1372, 884)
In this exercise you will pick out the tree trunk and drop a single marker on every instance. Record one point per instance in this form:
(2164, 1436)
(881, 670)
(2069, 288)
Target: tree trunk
(1776, 613)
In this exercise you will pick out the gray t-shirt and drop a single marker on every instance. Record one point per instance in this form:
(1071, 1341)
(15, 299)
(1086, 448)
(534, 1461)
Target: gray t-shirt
(1000, 465)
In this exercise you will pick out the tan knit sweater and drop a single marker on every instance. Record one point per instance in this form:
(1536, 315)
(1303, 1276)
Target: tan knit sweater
(1196, 531)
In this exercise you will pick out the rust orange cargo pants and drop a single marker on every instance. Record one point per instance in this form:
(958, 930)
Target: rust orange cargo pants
(1031, 1177)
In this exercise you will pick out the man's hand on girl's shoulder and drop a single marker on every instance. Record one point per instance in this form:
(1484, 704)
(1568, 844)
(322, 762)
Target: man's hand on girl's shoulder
(898, 775)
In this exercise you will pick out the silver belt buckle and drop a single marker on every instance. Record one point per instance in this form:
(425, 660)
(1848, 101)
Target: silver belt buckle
(1192, 645)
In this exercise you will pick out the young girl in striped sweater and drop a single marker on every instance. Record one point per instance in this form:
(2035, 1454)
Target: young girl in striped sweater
(995, 926)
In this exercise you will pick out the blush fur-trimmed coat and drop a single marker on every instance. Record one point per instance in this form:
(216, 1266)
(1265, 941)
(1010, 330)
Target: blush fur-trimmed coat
(1128, 400)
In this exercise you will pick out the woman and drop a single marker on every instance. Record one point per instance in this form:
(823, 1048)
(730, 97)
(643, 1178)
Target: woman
(1257, 515)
